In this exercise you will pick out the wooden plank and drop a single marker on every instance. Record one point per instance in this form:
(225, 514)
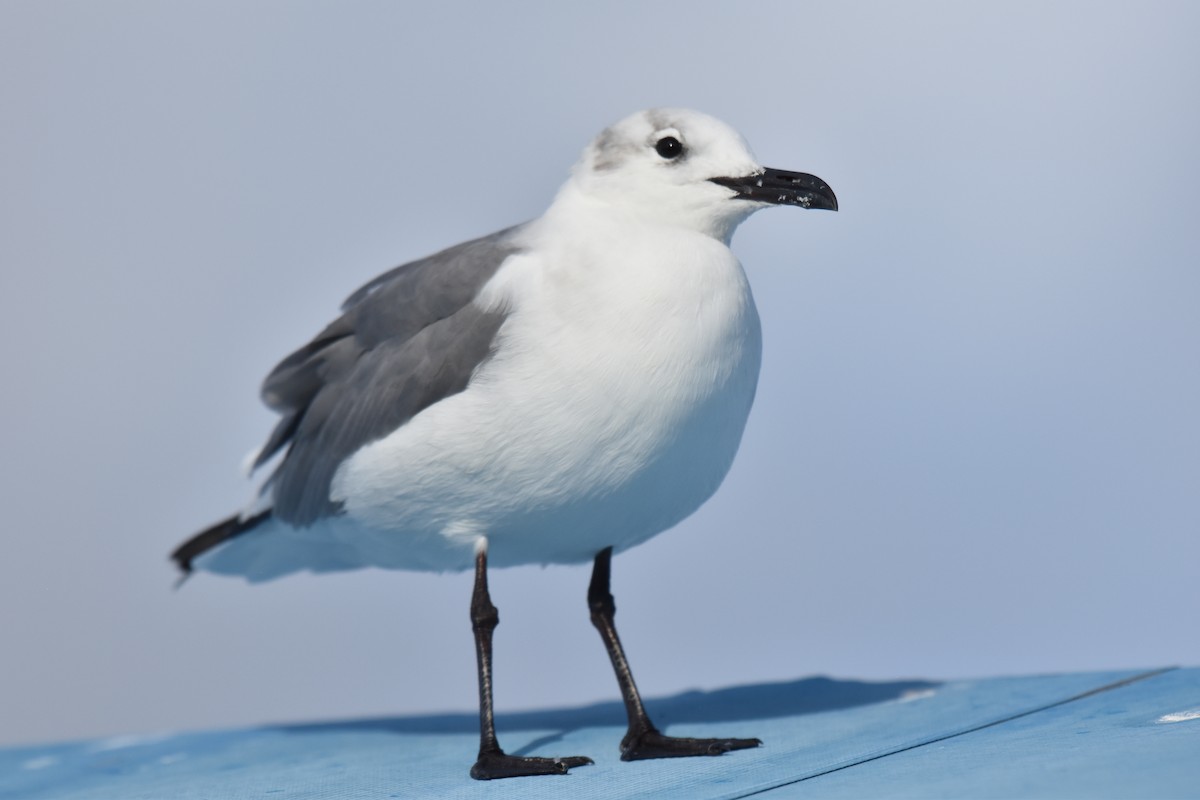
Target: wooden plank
(877, 736)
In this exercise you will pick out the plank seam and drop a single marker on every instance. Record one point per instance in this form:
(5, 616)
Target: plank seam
(955, 734)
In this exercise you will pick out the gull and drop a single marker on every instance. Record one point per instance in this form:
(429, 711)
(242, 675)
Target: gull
(553, 393)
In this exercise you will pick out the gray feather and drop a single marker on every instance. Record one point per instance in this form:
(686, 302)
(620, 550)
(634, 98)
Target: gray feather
(405, 340)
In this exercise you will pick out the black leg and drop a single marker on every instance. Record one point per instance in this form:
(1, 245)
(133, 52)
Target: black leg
(494, 762)
(642, 740)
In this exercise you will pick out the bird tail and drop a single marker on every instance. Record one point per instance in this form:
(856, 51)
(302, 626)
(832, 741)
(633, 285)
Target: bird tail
(218, 534)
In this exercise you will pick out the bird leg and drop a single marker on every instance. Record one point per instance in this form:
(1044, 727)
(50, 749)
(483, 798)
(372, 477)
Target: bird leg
(642, 740)
(494, 762)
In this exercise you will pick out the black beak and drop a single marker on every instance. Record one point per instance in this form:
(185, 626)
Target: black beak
(782, 188)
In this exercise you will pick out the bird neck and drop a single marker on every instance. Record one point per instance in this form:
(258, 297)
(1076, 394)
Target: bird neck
(604, 205)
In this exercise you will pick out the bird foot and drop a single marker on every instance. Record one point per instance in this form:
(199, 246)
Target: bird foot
(653, 744)
(498, 764)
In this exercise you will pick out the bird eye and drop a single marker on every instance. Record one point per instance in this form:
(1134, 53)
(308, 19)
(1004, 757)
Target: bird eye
(669, 147)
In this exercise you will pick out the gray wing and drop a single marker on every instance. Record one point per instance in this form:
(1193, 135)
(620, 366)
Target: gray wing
(405, 340)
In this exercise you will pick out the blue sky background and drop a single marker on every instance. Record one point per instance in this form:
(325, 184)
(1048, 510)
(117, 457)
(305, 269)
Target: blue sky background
(976, 448)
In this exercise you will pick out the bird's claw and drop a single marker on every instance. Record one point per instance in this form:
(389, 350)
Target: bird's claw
(651, 743)
(493, 765)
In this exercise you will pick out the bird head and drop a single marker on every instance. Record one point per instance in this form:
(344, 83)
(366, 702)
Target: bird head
(680, 167)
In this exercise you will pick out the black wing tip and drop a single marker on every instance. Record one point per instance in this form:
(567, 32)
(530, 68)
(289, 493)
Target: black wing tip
(211, 537)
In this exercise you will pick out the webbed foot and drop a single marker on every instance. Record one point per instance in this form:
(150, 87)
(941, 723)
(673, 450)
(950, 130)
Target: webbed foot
(498, 764)
(651, 743)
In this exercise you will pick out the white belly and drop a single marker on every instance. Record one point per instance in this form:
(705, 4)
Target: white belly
(612, 410)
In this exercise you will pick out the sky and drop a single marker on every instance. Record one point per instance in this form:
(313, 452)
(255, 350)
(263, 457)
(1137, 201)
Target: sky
(975, 449)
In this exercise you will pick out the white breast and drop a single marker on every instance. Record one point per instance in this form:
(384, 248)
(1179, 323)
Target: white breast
(611, 410)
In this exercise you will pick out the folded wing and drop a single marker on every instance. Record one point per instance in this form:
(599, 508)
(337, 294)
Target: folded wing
(405, 340)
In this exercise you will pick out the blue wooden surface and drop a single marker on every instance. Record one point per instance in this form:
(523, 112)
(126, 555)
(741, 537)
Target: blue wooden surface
(1114, 734)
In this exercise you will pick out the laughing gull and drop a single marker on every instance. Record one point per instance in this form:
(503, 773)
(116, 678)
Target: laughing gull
(552, 393)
